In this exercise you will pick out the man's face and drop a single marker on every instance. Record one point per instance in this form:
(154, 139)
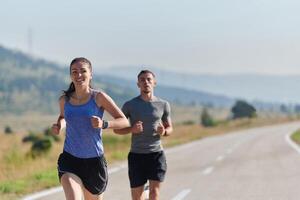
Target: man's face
(146, 82)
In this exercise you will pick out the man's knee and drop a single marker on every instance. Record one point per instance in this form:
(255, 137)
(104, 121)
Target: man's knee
(137, 193)
(154, 193)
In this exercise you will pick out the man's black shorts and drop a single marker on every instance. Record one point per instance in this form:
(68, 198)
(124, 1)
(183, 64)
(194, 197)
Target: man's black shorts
(91, 171)
(143, 167)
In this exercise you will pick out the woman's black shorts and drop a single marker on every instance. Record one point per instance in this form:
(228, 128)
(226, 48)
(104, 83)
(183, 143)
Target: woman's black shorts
(91, 171)
(143, 167)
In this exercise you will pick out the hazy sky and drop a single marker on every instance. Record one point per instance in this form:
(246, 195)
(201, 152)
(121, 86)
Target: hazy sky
(196, 36)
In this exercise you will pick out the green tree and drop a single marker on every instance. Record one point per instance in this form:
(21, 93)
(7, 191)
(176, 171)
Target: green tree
(8, 130)
(242, 109)
(206, 118)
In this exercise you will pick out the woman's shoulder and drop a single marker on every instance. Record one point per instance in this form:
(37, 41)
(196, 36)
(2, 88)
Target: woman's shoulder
(101, 97)
(98, 94)
(62, 98)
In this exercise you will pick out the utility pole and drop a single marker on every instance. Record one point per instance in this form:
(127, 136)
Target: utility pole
(30, 41)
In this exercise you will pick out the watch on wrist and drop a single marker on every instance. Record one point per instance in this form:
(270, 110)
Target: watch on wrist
(104, 124)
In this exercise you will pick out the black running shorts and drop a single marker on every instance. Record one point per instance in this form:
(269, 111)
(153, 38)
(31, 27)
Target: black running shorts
(143, 167)
(91, 171)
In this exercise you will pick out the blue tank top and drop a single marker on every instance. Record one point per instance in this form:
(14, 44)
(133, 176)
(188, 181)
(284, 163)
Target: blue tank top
(82, 140)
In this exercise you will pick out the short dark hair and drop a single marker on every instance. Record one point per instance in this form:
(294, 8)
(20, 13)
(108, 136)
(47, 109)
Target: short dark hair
(145, 71)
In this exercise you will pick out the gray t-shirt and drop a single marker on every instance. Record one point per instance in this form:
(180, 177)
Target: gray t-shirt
(150, 113)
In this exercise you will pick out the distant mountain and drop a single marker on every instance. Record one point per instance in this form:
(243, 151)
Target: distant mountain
(176, 94)
(252, 87)
(34, 85)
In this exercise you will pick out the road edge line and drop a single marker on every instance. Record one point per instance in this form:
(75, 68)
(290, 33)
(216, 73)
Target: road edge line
(291, 142)
(43, 193)
(181, 195)
(57, 189)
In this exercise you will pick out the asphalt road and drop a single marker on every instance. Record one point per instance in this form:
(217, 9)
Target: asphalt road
(254, 164)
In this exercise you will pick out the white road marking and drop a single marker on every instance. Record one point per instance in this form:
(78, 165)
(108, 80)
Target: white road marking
(44, 193)
(236, 145)
(60, 189)
(220, 158)
(208, 170)
(229, 151)
(116, 169)
(182, 194)
(291, 142)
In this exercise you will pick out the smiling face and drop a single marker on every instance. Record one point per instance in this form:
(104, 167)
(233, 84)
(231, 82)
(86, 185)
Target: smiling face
(146, 82)
(81, 74)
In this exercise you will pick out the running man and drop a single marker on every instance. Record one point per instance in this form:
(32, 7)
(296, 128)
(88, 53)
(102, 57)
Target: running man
(150, 120)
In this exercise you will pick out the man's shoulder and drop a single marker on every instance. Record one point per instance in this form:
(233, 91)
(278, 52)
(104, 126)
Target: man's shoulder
(158, 99)
(131, 101)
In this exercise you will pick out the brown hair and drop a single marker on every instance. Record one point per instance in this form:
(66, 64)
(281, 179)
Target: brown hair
(71, 88)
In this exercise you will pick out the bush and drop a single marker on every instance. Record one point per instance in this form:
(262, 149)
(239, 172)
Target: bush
(48, 133)
(41, 146)
(41, 143)
(188, 122)
(32, 137)
(242, 109)
(206, 119)
(8, 130)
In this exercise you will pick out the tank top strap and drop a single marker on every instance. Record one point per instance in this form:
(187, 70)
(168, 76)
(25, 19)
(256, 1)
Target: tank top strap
(94, 95)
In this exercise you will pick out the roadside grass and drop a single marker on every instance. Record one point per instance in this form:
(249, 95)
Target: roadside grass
(21, 174)
(116, 147)
(43, 179)
(15, 189)
(296, 137)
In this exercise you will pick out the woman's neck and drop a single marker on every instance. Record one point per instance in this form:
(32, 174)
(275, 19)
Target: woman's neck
(81, 94)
